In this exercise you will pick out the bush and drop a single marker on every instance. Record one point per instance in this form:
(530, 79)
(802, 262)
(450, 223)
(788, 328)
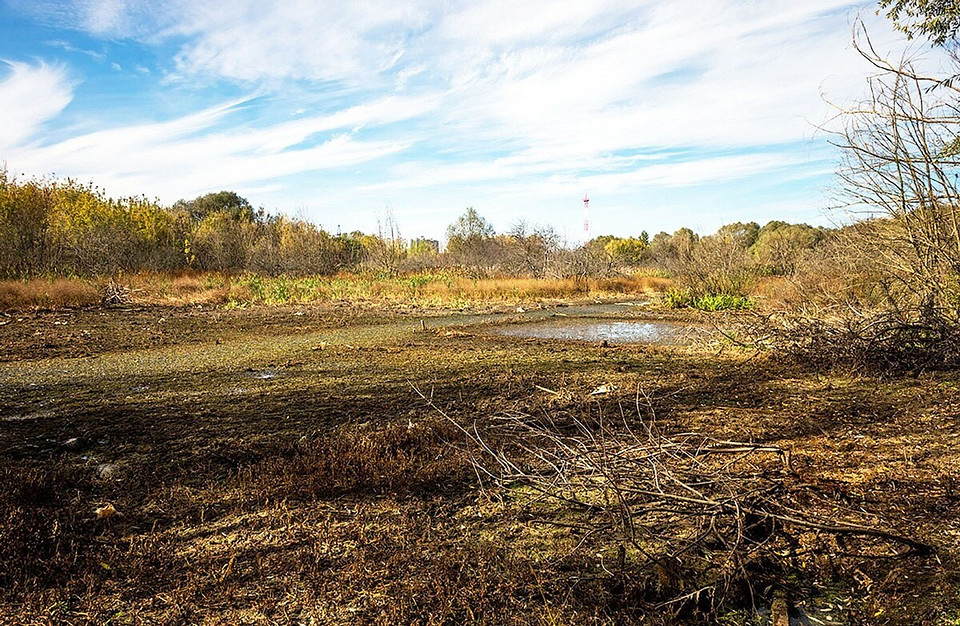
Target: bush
(685, 299)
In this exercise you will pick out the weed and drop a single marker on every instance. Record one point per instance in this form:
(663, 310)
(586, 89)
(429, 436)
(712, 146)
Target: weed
(723, 301)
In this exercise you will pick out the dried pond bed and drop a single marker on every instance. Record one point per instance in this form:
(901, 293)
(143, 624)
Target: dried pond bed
(331, 491)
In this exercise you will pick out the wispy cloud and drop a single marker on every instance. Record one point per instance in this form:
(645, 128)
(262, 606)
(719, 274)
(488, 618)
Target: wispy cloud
(204, 150)
(30, 96)
(464, 99)
(63, 45)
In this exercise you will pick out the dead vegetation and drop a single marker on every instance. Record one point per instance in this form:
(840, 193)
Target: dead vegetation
(687, 525)
(39, 293)
(878, 343)
(439, 290)
(330, 491)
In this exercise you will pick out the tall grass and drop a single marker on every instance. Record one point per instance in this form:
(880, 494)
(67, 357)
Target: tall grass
(47, 293)
(432, 289)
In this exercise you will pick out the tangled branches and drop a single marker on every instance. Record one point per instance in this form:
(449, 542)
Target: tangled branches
(115, 294)
(696, 523)
(877, 343)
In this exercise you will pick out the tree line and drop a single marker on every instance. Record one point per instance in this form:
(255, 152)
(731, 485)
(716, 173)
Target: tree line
(52, 227)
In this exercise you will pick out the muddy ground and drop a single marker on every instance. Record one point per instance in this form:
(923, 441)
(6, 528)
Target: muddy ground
(306, 465)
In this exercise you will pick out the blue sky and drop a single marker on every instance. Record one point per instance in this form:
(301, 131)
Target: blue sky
(683, 113)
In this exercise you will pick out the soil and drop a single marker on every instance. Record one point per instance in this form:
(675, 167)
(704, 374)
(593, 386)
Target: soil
(306, 465)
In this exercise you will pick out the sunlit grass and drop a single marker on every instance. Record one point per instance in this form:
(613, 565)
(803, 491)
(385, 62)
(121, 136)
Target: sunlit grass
(436, 289)
(47, 293)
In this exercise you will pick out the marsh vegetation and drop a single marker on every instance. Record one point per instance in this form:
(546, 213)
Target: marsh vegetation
(211, 414)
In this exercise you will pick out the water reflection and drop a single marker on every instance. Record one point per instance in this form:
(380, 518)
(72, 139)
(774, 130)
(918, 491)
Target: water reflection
(660, 333)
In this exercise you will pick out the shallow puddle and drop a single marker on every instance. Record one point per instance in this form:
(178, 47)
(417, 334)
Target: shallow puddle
(659, 333)
(264, 374)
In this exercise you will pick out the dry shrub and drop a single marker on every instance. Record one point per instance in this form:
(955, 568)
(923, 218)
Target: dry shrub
(776, 291)
(848, 308)
(842, 273)
(691, 526)
(878, 343)
(41, 293)
(715, 265)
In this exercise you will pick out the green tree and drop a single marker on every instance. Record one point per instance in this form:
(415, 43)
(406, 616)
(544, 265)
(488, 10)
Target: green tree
(470, 228)
(743, 234)
(626, 250)
(937, 20)
(780, 246)
(471, 243)
(237, 208)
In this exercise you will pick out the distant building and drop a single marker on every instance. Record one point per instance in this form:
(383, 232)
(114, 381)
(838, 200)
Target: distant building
(424, 246)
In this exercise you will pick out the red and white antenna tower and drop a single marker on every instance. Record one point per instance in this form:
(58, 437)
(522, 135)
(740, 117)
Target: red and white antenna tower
(586, 213)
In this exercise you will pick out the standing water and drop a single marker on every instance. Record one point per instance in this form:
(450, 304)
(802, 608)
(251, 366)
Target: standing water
(659, 333)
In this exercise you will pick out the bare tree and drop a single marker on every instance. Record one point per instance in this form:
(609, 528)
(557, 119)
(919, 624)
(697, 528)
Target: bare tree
(891, 280)
(531, 248)
(387, 249)
(900, 165)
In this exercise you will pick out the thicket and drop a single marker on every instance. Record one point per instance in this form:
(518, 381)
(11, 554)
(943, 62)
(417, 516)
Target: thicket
(885, 293)
(722, 270)
(51, 228)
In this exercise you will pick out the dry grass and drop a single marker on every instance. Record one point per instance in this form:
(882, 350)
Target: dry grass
(350, 527)
(424, 290)
(777, 292)
(517, 289)
(182, 288)
(43, 293)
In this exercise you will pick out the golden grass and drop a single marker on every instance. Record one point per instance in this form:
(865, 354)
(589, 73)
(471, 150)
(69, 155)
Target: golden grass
(180, 288)
(45, 293)
(428, 290)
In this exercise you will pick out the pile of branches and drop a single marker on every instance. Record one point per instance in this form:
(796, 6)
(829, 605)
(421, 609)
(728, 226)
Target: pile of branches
(115, 294)
(886, 342)
(697, 524)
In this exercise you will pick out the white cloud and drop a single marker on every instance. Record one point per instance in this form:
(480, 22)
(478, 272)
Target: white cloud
(302, 39)
(30, 96)
(194, 153)
(541, 97)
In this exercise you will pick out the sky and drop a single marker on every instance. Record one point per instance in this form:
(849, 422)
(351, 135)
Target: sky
(693, 113)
